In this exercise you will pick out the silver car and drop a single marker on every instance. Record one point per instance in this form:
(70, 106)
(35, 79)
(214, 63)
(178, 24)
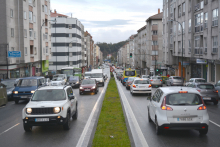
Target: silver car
(174, 81)
(156, 81)
(195, 80)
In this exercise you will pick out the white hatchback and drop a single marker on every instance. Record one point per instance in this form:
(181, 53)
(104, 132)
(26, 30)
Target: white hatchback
(140, 86)
(178, 108)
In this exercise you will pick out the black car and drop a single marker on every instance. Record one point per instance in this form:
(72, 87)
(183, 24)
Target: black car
(73, 81)
(9, 83)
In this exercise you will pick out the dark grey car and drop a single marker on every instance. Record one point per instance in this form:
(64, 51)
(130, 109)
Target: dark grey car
(74, 81)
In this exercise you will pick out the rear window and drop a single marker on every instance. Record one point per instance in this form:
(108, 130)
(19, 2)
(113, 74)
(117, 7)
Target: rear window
(129, 73)
(141, 82)
(177, 78)
(200, 80)
(183, 99)
(205, 86)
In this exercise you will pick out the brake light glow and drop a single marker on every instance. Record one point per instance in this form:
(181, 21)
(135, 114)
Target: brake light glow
(203, 127)
(199, 90)
(161, 80)
(202, 108)
(216, 91)
(164, 107)
(150, 86)
(183, 91)
(151, 80)
(166, 127)
(134, 86)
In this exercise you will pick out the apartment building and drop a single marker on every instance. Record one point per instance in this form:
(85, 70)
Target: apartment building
(131, 50)
(22, 23)
(67, 42)
(200, 22)
(89, 43)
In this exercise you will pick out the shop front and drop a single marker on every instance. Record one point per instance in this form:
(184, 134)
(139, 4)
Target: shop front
(15, 73)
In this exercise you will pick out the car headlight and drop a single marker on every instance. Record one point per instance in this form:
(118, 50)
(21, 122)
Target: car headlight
(15, 92)
(56, 109)
(93, 87)
(29, 110)
(32, 91)
(9, 92)
(81, 88)
(77, 82)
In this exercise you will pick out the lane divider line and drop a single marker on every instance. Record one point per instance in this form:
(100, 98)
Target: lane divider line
(132, 120)
(88, 123)
(215, 123)
(9, 129)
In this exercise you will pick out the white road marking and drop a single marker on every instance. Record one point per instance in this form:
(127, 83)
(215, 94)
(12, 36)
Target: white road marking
(132, 121)
(86, 128)
(9, 129)
(215, 123)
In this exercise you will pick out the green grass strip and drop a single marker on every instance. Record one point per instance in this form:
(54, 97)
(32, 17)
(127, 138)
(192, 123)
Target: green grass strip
(111, 129)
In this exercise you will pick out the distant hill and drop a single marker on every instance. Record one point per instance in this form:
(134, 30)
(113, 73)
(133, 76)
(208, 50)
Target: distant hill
(109, 48)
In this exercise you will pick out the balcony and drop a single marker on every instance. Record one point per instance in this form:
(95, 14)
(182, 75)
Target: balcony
(198, 50)
(154, 27)
(199, 6)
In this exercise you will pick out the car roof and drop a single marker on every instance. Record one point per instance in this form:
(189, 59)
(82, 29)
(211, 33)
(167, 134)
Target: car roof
(204, 84)
(198, 78)
(54, 87)
(168, 90)
(32, 78)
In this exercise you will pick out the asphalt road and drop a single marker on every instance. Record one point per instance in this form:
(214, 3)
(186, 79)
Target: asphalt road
(12, 132)
(189, 138)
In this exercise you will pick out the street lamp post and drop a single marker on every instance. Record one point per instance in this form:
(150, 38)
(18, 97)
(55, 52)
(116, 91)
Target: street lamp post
(182, 48)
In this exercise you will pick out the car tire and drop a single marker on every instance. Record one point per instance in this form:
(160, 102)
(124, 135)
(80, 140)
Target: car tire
(75, 116)
(96, 91)
(158, 129)
(149, 119)
(215, 103)
(103, 85)
(16, 101)
(66, 126)
(27, 128)
(203, 132)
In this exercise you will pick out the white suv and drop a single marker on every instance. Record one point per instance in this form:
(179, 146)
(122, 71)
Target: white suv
(178, 108)
(50, 105)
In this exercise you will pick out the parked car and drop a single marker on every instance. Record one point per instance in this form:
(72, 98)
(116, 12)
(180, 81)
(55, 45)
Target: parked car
(178, 108)
(156, 81)
(74, 81)
(3, 95)
(174, 81)
(10, 86)
(208, 91)
(88, 86)
(142, 86)
(26, 87)
(50, 106)
(129, 82)
(195, 80)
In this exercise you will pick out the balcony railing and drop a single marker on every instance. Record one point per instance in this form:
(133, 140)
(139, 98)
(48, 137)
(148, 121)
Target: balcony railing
(198, 50)
(199, 6)
(197, 29)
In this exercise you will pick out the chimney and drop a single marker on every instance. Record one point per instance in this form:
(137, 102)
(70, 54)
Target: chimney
(159, 11)
(55, 11)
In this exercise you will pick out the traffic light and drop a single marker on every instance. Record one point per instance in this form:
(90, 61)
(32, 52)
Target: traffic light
(157, 70)
(130, 55)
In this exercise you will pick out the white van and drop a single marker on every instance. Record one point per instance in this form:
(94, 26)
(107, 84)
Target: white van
(97, 74)
(87, 75)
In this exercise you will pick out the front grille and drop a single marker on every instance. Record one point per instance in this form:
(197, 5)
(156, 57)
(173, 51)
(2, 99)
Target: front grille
(36, 111)
(24, 92)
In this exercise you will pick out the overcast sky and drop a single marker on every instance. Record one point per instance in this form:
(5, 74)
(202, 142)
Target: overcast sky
(109, 20)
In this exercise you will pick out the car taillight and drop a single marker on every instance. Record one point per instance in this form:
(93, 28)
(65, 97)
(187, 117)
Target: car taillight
(216, 91)
(199, 90)
(164, 107)
(161, 80)
(202, 108)
(149, 86)
(134, 86)
(151, 80)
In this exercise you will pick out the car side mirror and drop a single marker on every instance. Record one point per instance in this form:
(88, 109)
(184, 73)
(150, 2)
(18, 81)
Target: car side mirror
(71, 97)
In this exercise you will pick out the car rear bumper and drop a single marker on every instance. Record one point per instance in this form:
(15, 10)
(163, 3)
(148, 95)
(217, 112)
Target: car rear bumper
(141, 91)
(19, 97)
(177, 84)
(90, 91)
(52, 121)
(156, 84)
(184, 126)
(213, 99)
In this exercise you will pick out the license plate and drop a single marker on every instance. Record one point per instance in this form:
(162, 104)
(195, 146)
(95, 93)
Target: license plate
(184, 119)
(206, 98)
(87, 89)
(41, 119)
(141, 86)
(24, 96)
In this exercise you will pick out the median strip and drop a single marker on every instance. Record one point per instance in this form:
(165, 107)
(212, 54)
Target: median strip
(111, 129)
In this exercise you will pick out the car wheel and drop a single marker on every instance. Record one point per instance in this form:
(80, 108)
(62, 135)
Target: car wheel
(16, 101)
(66, 126)
(96, 91)
(103, 85)
(149, 119)
(203, 132)
(215, 103)
(158, 129)
(27, 128)
(75, 116)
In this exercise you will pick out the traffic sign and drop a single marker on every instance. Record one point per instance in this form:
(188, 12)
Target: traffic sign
(14, 54)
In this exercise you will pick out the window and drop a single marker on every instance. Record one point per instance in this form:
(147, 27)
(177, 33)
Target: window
(11, 13)
(44, 50)
(206, 20)
(70, 45)
(42, 8)
(30, 16)
(12, 32)
(154, 53)
(25, 33)
(34, 18)
(154, 43)
(25, 50)
(25, 15)
(183, 25)
(215, 17)
(205, 44)
(70, 35)
(179, 46)
(215, 44)
(154, 32)
(201, 22)
(35, 50)
(184, 9)
(70, 26)
(189, 25)
(179, 11)
(197, 44)
(47, 49)
(189, 41)
(31, 35)
(34, 35)
(167, 12)
(179, 29)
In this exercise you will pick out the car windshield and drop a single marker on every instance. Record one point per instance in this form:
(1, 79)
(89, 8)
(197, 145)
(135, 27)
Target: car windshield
(177, 78)
(183, 99)
(141, 82)
(96, 75)
(130, 79)
(27, 82)
(9, 84)
(75, 78)
(205, 86)
(129, 73)
(49, 95)
(68, 72)
(87, 82)
(200, 80)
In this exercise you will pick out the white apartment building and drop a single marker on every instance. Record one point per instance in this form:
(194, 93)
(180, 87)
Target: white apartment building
(131, 50)
(66, 41)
